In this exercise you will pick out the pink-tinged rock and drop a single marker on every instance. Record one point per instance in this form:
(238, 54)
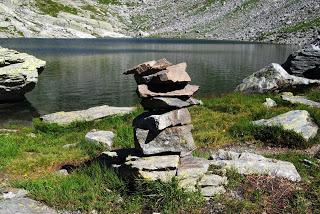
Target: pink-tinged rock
(168, 103)
(175, 74)
(148, 68)
(187, 91)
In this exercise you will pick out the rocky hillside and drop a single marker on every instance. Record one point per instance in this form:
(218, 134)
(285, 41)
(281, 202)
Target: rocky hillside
(280, 21)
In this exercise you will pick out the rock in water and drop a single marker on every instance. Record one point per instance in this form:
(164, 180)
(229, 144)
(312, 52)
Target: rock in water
(298, 121)
(18, 74)
(168, 103)
(101, 137)
(273, 78)
(66, 118)
(187, 91)
(288, 96)
(157, 121)
(250, 163)
(174, 74)
(305, 62)
(175, 139)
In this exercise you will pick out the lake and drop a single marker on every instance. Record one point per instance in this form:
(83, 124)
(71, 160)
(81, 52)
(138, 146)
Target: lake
(82, 73)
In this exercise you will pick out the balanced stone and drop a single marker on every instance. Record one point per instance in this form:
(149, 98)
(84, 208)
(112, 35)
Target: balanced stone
(18, 74)
(187, 91)
(168, 103)
(158, 122)
(148, 68)
(174, 139)
(175, 74)
(298, 121)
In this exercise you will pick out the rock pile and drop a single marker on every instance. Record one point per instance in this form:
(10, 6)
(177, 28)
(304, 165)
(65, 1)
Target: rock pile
(165, 126)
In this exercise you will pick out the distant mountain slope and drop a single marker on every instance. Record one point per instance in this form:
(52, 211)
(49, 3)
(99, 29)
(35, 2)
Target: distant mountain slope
(281, 21)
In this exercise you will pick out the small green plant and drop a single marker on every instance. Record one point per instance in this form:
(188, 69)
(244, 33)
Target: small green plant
(53, 8)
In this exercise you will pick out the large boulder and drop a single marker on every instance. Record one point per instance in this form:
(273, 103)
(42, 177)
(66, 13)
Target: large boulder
(305, 62)
(157, 121)
(94, 113)
(174, 140)
(18, 74)
(250, 163)
(298, 121)
(273, 78)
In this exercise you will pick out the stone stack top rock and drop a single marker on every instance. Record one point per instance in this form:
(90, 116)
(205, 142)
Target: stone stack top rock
(149, 67)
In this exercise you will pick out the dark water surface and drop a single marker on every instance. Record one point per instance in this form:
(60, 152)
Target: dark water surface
(82, 73)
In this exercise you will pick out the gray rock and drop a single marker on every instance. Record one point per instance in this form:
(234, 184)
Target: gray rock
(298, 121)
(94, 113)
(148, 68)
(213, 180)
(168, 103)
(269, 103)
(62, 172)
(210, 191)
(157, 122)
(305, 62)
(154, 167)
(187, 91)
(273, 78)
(18, 74)
(299, 100)
(100, 137)
(175, 139)
(174, 74)
(250, 163)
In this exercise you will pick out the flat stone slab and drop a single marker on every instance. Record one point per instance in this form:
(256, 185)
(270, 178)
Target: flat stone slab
(158, 122)
(154, 167)
(287, 96)
(187, 91)
(94, 113)
(174, 140)
(174, 74)
(18, 73)
(100, 137)
(150, 67)
(18, 203)
(168, 103)
(298, 121)
(250, 163)
(273, 78)
(192, 167)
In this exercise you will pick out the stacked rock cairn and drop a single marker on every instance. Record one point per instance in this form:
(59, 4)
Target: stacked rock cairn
(162, 133)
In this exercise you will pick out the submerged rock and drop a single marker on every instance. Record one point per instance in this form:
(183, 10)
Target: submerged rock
(305, 62)
(101, 137)
(18, 74)
(273, 78)
(94, 113)
(298, 121)
(250, 163)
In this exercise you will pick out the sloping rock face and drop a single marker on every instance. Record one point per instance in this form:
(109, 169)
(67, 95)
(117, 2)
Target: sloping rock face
(298, 121)
(18, 74)
(305, 62)
(273, 78)
(250, 163)
(94, 113)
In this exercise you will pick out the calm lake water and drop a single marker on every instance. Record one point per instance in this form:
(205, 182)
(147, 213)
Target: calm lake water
(82, 73)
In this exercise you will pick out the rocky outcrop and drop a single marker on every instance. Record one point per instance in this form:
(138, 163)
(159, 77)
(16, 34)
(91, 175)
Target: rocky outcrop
(305, 62)
(94, 113)
(289, 97)
(250, 163)
(298, 121)
(18, 74)
(273, 78)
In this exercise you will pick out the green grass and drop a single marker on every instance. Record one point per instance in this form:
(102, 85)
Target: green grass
(301, 26)
(116, 2)
(53, 8)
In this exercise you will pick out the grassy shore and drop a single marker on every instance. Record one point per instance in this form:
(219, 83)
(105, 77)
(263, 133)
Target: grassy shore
(31, 157)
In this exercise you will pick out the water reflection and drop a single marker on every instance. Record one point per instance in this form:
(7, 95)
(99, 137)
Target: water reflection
(85, 73)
